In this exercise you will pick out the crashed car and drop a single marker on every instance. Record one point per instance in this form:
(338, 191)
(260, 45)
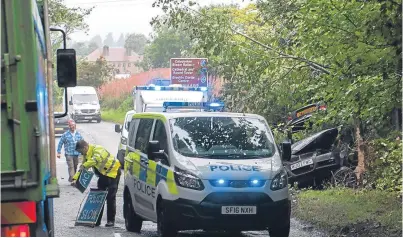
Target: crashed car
(314, 159)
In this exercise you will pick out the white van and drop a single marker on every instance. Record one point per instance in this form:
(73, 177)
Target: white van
(124, 132)
(205, 170)
(84, 103)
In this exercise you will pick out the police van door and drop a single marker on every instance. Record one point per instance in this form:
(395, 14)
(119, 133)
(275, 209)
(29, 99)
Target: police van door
(143, 192)
(159, 165)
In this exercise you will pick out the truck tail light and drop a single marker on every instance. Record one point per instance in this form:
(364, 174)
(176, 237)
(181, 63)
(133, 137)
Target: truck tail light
(15, 231)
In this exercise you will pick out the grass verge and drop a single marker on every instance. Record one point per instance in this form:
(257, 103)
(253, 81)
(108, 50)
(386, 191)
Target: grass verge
(341, 211)
(114, 116)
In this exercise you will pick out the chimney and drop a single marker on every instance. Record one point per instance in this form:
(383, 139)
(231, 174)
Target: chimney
(105, 51)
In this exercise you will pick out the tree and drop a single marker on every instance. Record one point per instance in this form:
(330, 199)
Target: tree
(166, 43)
(109, 41)
(94, 74)
(136, 42)
(278, 55)
(84, 48)
(97, 40)
(121, 41)
(68, 19)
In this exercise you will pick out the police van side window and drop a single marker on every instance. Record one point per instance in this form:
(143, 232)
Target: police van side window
(132, 130)
(161, 135)
(143, 134)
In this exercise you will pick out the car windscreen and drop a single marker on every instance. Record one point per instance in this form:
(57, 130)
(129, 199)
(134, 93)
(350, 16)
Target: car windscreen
(85, 98)
(221, 137)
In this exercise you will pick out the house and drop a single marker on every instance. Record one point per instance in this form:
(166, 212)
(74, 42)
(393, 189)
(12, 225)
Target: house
(124, 62)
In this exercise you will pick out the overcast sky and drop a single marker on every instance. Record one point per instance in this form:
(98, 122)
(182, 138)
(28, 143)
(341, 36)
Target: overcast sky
(122, 16)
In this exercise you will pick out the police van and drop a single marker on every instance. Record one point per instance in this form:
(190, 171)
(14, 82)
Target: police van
(214, 171)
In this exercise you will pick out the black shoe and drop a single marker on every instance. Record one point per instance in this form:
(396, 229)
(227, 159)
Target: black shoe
(110, 224)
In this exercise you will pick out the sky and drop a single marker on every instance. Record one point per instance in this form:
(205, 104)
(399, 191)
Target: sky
(123, 16)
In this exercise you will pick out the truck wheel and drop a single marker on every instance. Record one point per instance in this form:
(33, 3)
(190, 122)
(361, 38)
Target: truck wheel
(164, 227)
(133, 222)
(280, 231)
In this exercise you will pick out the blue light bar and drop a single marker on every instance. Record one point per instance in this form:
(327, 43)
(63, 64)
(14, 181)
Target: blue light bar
(201, 105)
(168, 88)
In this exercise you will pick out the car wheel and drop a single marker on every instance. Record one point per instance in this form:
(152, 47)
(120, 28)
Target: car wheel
(133, 222)
(280, 231)
(164, 226)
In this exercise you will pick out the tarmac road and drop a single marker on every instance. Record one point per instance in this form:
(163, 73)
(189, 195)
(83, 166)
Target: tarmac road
(68, 204)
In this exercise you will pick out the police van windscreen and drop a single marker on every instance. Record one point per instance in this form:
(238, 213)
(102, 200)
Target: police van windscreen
(85, 98)
(221, 137)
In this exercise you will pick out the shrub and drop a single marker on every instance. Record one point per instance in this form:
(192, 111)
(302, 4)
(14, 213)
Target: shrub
(385, 164)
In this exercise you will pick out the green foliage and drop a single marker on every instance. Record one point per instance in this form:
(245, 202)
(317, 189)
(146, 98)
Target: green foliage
(83, 49)
(109, 41)
(114, 109)
(113, 116)
(340, 210)
(136, 42)
(93, 74)
(166, 43)
(385, 164)
(66, 18)
(279, 55)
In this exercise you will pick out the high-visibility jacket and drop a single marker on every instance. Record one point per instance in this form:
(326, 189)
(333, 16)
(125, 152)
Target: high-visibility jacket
(99, 158)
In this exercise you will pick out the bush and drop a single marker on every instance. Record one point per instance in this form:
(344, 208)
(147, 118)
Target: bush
(385, 164)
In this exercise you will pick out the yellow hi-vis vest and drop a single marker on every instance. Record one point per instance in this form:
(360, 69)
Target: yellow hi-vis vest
(99, 158)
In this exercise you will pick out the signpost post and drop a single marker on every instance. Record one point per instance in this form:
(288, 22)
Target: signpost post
(190, 72)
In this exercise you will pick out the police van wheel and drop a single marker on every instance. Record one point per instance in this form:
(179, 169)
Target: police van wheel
(133, 222)
(280, 231)
(164, 227)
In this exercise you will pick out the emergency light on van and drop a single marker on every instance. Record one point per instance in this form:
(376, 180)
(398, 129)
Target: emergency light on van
(201, 105)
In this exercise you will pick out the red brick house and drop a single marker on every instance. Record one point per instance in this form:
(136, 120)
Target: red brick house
(123, 61)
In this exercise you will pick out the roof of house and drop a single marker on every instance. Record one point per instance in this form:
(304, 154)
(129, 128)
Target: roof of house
(116, 54)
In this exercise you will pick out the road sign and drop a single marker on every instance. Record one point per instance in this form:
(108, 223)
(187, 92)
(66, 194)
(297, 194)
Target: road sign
(84, 180)
(91, 210)
(191, 72)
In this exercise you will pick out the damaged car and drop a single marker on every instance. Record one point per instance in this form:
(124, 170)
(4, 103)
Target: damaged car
(314, 159)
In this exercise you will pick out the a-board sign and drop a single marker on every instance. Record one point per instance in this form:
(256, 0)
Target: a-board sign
(84, 180)
(190, 72)
(92, 207)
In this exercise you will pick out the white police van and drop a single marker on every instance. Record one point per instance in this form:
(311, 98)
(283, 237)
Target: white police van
(124, 132)
(205, 170)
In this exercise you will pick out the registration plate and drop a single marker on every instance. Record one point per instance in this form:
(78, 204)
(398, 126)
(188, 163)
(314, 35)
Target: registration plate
(301, 164)
(58, 129)
(87, 117)
(233, 210)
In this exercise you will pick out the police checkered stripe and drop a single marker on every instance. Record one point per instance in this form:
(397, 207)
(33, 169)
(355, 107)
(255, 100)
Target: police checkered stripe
(153, 173)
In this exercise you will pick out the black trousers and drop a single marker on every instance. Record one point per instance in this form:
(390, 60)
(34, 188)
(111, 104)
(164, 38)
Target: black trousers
(110, 184)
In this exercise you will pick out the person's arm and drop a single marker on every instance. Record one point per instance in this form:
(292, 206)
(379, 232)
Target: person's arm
(89, 162)
(59, 146)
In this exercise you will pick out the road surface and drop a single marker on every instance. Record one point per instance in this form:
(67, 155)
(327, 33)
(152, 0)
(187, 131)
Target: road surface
(68, 204)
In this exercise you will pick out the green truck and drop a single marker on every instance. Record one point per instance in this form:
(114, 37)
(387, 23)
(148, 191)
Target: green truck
(28, 168)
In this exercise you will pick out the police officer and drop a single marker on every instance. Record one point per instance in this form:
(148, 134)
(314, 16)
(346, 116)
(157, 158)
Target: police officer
(107, 168)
